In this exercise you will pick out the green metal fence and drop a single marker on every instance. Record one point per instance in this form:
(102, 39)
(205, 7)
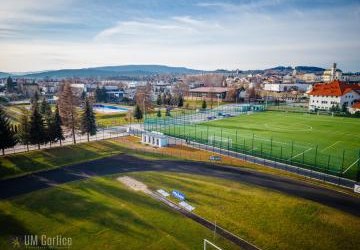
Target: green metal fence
(192, 126)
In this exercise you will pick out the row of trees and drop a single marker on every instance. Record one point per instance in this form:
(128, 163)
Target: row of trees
(40, 125)
(168, 99)
(100, 94)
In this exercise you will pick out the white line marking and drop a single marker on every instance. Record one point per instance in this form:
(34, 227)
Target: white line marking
(351, 165)
(330, 146)
(300, 154)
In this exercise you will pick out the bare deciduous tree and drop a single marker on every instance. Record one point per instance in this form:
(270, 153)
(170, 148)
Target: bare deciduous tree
(67, 107)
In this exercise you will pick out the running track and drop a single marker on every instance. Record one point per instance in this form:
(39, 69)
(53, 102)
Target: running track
(124, 163)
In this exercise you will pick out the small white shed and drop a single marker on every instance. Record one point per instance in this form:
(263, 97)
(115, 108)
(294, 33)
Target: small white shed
(156, 139)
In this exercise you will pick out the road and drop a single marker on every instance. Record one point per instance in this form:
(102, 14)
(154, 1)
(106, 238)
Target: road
(124, 163)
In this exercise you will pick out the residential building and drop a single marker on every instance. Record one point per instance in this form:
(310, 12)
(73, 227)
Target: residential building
(208, 92)
(333, 94)
(355, 108)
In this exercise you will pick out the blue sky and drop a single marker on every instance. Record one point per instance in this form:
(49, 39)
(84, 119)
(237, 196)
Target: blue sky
(204, 34)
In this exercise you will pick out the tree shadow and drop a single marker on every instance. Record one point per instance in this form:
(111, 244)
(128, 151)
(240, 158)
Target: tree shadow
(76, 203)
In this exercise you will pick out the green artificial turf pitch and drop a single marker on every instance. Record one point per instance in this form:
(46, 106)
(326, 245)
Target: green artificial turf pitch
(323, 143)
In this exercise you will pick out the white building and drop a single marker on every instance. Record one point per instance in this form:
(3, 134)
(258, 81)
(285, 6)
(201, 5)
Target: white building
(332, 74)
(156, 139)
(284, 87)
(351, 77)
(333, 94)
(355, 108)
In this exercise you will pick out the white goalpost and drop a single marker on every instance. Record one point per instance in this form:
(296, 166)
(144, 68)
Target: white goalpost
(218, 140)
(207, 242)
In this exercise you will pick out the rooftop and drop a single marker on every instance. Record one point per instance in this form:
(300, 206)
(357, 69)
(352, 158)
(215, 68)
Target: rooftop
(210, 90)
(334, 88)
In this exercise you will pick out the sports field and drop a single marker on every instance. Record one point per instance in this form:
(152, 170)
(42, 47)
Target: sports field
(102, 213)
(323, 143)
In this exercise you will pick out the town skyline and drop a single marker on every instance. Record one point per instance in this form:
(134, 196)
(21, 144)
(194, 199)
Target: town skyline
(207, 35)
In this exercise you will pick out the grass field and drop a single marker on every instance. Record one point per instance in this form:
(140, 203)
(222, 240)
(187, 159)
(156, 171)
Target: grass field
(269, 219)
(23, 163)
(100, 213)
(324, 143)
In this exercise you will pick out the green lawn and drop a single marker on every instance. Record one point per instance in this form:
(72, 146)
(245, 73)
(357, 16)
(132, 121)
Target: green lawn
(101, 213)
(325, 143)
(269, 219)
(104, 120)
(22, 163)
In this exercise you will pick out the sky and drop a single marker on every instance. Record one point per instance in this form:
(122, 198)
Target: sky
(38, 35)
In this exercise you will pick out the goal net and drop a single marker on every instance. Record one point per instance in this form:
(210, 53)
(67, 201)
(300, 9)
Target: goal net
(220, 141)
(209, 245)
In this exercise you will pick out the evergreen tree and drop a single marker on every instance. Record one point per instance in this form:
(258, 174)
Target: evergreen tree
(98, 96)
(138, 113)
(9, 84)
(167, 112)
(45, 108)
(7, 135)
(56, 130)
(88, 125)
(181, 101)
(203, 105)
(37, 128)
(83, 95)
(103, 94)
(45, 111)
(158, 100)
(34, 100)
(158, 113)
(168, 99)
(24, 129)
(344, 107)
(163, 99)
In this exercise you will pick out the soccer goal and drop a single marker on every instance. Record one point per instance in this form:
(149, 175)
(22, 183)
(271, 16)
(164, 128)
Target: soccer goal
(209, 245)
(220, 141)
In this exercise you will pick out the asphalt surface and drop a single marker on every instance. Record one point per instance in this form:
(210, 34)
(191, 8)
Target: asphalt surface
(125, 163)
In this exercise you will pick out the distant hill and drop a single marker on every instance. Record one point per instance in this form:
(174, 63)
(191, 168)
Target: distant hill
(114, 71)
(309, 69)
(280, 68)
(3, 74)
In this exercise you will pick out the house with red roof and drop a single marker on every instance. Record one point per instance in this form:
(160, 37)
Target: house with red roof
(355, 108)
(333, 94)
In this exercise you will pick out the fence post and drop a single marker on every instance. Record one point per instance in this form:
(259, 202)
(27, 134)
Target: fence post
(316, 150)
(207, 134)
(236, 135)
(228, 147)
(342, 164)
(244, 145)
(252, 144)
(358, 169)
(292, 151)
(220, 140)
(195, 134)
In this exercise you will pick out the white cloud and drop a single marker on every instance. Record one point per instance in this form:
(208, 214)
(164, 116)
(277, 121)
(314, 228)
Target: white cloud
(232, 39)
(21, 15)
(175, 29)
(242, 6)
